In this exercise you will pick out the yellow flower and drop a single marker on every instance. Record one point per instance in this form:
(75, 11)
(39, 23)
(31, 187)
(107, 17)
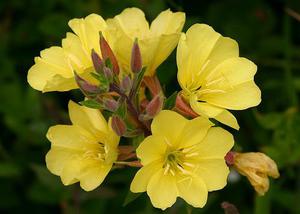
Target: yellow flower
(182, 158)
(213, 76)
(257, 167)
(53, 70)
(156, 42)
(83, 152)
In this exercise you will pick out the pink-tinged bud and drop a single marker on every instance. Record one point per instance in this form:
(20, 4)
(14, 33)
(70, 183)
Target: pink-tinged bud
(155, 106)
(126, 84)
(110, 104)
(229, 158)
(97, 62)
(229, 208)
(183, 108)
(152, 84)
(136, 58)
(107, 53)
(87, 88)
(118, 125)
(108, 73)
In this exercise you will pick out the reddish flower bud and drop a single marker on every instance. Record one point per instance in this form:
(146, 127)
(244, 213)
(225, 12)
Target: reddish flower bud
(108, 73)
(153, 108)
(110, 104)
(152, 84)
(229, 208)
(183, 108)
(107, 53)
(126, 84)
(118, 125)
(229, 158)
(87, 88)
(97, 61)
(136, 58)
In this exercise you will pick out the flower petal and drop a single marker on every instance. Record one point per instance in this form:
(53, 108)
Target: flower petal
(87, 118)
(194, 48)
(193, 190)
(213, 172)
(53, 62)
(216, 143)
(194, 131)
(87, 29)
(239, 97)
(162, 190)
(228, 119)
(143, 176)
(151, 149)
(92, 175)
(167, 22)
(168, 124)
(71, 137)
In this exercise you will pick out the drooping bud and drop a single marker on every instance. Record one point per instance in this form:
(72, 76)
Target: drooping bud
(118, 125)
(97, 61)
(110, 104)
(126, 84)
(86, 88)
(107, 53)
(136, 58)
(256, 167)
(183, 108)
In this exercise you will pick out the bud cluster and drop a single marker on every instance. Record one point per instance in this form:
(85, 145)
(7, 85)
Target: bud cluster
(119, 93)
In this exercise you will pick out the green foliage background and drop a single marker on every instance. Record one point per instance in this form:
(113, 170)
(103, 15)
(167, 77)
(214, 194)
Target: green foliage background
(266, 33)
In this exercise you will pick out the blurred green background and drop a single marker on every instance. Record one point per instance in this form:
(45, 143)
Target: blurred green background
(267, 32)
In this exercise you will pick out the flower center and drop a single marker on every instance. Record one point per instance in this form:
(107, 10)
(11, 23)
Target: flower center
(98, 153)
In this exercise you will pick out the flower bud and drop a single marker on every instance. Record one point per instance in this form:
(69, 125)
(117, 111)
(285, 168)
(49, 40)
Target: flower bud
(126, 84)
(152, 84)
(183, 108)
(87, 88)
(229, 158)
(229, 208)
(110, 104)
(108, 74)
(153, 107)
(136, 58)
(256, 167)
(97, 62)
(107, 53)
(118, 125)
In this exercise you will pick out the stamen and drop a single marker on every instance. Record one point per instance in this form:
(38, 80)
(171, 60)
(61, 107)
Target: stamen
(188, 164)
(192, 154)
(172, 172)
(167, 169)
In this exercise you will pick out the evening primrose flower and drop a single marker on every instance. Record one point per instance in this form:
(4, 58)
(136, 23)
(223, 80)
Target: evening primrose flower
(257, 167)
(156, 42)
(182, 158)
(213, 76)
(54, 69)
(83, 152)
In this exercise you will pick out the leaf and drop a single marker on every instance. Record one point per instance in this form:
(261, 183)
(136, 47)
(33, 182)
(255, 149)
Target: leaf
(8, 170)
(270, 120)
(170, 101)
(91, 104)
(136, 141)
(130, 197)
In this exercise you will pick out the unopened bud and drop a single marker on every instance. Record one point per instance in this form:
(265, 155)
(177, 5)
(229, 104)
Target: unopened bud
(229, 158)
(118, 125)
(111, 104)
(229, 208)
(87, 88)
(97, 62)
(136, 58)
(107, 53)
(153, 108)
(256, 167)
(126, 84)
(152, 84)
(108, 74)
(182, 107)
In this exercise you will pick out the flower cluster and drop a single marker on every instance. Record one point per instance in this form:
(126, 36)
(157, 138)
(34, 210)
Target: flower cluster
(180, 151)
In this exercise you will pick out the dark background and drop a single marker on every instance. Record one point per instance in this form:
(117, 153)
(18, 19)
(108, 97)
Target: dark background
(268, 34)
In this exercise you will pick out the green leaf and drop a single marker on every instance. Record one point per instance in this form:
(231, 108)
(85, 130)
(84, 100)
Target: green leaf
(130, 197)
(170, 101)
(136, 141)
(91, 104)
(8, 170)
(122, 110)
(270, 120)
(138, 77)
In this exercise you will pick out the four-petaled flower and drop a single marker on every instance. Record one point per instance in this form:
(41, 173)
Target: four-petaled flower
(213, 76)
(182, 158)
(83, 152)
